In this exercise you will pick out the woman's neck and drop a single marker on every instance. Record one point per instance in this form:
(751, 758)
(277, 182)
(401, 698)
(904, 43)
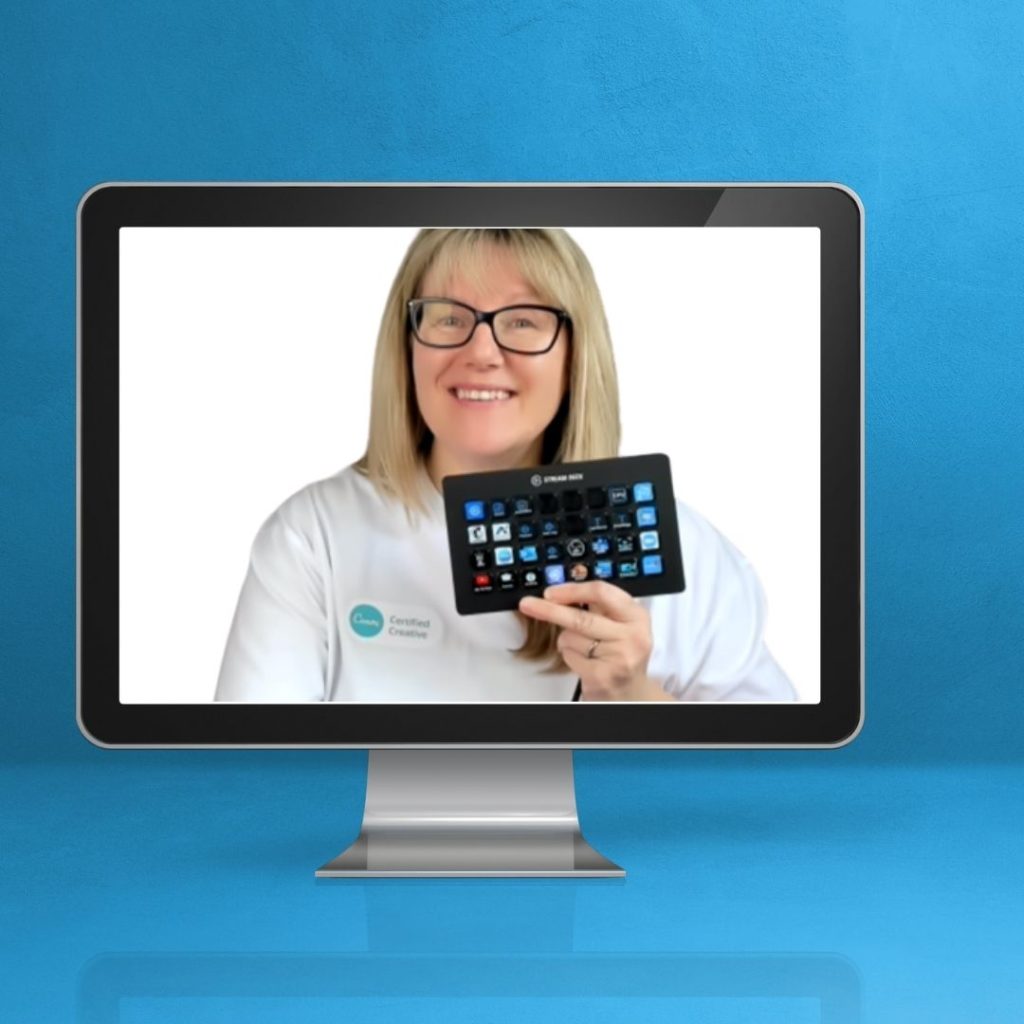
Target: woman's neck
(440, 463)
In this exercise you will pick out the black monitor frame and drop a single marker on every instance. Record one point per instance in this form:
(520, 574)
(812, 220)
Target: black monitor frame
(832, 208)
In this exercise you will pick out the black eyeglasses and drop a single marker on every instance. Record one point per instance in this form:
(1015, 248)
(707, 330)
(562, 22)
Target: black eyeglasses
(445, 323)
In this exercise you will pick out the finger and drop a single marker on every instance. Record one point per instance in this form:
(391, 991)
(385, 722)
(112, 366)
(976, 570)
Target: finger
(612, 601)
(589, 623)
(578, 643)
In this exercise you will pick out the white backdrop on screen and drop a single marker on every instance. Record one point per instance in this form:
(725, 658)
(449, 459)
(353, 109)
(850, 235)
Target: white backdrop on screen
(245, 366)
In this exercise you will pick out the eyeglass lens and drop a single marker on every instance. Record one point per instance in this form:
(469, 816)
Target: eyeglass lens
(521, 329)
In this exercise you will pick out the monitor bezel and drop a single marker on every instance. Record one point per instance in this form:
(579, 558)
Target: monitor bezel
(833, 208)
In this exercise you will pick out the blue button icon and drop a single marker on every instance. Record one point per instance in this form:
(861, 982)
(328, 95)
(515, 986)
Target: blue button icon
(554, 574)
(629, 568)
(604, 570)
(600, 545)
(474, 511)
(499, 510)
(652, 565)
(503, 556)
(649, 541)
(528, 553)
(643, 492)
(647, 515)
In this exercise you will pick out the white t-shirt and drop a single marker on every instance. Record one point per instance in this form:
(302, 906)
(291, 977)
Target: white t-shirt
(344, 600)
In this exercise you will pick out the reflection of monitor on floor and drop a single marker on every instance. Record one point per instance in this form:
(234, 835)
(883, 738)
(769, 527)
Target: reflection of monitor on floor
(654, 987)
(238, 344)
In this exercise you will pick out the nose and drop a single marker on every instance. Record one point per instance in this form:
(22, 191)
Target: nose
(482, 345)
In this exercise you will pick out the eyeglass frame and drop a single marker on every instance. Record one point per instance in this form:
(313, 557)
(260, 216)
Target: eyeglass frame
(488, 318)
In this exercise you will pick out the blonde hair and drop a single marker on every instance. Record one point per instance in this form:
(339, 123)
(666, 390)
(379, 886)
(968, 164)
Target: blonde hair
(586, 425)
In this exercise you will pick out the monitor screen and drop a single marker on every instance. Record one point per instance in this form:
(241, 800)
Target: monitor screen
(292, 390)
(246, 395)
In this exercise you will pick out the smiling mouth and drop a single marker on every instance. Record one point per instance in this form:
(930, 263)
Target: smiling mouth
(482, 395)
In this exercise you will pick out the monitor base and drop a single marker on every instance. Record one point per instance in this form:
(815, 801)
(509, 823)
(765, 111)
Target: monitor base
(470, 813)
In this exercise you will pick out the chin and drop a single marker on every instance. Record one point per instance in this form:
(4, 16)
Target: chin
(505, 453)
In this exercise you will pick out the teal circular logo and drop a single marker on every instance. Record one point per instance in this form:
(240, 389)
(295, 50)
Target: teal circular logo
(366, 620)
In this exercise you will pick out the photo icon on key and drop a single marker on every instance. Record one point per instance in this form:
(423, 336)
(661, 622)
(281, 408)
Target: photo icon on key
(477, 534)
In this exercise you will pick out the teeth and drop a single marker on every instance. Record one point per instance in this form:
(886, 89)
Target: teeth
(482, 396)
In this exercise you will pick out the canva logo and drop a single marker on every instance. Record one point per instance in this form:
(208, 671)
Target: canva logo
(366, 620)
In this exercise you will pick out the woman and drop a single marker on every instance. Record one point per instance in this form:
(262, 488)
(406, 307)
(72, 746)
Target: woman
(349, 593)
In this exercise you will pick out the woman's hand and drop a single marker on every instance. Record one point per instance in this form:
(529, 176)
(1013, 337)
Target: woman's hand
(616, 667)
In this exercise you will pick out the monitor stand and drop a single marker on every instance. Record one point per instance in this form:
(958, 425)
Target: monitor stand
(470, 813)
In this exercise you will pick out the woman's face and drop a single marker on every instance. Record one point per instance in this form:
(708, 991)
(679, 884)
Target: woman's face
(503, 429)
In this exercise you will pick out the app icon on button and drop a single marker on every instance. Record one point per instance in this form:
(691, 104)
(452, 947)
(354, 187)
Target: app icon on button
(651, 565)
(503, 556)
(575, 547)
(647, 515)
(501, 531)
(554, 574)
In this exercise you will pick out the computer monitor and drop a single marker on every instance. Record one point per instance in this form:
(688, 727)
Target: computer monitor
(277, 382)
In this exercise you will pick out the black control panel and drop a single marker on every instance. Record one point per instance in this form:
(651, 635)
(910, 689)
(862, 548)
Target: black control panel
(515, 532)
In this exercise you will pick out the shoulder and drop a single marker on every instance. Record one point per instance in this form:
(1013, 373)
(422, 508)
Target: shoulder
(720, 582)
(344, 497)
(706, 549)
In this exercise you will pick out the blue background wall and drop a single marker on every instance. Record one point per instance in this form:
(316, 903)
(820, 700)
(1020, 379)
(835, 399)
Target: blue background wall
(916, 105)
